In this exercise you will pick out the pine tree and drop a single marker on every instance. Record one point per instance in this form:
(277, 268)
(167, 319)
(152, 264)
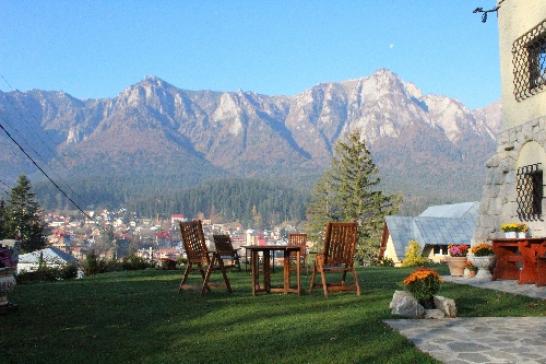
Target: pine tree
(22, 217)
(349, 191)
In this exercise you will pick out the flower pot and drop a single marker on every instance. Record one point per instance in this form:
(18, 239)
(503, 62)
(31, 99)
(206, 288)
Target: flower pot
(7, 283)
(510, 234)
(522, 235)
(483, 264)
(456, 265)
(468, 273)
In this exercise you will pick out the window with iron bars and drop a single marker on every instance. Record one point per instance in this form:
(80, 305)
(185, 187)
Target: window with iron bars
(529, 61)
(530, 192)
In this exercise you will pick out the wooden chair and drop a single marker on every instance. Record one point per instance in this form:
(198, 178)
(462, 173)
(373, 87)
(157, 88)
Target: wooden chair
(198, 255)
(298, 239)
(224, 250)
(338, 256)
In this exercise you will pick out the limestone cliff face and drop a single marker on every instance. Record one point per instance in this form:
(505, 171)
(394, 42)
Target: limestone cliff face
(153, 127)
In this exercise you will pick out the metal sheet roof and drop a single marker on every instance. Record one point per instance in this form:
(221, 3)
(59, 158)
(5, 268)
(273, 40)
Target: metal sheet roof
(453, 210)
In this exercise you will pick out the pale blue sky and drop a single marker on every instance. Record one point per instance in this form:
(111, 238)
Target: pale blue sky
(97, 48)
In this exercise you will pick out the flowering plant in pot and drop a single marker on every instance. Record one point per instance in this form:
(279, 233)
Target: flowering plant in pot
(423, 284)
(457, 259)
(483, 257)
(514, 230)
(469, 270)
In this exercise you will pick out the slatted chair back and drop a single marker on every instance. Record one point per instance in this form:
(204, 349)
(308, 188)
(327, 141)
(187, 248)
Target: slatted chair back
(298, 239)
(340, 243)
(194, 242)
(223, 245)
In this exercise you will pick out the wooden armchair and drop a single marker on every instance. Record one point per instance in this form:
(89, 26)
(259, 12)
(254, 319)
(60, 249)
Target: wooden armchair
(198, 255)
(338, 256)
(224, 250)
(298, 239)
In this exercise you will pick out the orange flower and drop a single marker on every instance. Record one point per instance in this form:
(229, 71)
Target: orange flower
(421, 274)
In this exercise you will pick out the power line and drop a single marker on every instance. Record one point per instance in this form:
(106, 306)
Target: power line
(49, 148)
(44, 173)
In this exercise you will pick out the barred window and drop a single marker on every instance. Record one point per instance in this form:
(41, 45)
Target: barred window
(530, 191)
(529, 60)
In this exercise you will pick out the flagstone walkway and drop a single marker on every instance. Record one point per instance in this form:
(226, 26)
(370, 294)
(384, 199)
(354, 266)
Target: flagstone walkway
(478, 340)
(506, 286)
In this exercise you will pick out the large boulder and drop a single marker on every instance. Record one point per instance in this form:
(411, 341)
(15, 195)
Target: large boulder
(404, 304)
(446, 305)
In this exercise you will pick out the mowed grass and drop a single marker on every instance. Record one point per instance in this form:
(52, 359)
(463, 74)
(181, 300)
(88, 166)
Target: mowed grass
(139, 317)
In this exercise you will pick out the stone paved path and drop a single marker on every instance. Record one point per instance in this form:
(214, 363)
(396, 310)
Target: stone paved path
(478, 340)
(506, 286)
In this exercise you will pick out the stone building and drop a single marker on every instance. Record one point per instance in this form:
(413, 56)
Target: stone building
(514, 188)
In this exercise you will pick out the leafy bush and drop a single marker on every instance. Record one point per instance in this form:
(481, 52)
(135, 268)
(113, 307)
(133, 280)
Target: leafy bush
(69, 271)
(48, 274)
(132, 262)
(413, 255)
(381, 262)
(423, 284)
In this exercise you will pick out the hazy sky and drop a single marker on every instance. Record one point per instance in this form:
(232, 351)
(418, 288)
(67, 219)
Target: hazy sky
(97, 48)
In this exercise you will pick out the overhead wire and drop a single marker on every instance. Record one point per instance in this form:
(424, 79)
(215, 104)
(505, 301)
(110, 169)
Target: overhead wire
(44, 172)
(37, 136)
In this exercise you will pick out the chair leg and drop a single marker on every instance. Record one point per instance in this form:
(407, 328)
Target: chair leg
(237, 263)
(313, 277)
(184, 277)
(344, 278)
(203, 275)
(357, 283)
(207, 276)
(223, 269)
(324, 283)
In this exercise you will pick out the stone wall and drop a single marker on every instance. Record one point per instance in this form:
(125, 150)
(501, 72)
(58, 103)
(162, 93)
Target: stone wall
(498, 204)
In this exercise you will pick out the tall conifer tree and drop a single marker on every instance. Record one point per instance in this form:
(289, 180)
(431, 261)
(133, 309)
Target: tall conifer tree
(349, 191)
(22, 217)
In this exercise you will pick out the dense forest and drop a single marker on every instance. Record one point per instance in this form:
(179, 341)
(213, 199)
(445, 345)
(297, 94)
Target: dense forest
(252, 202)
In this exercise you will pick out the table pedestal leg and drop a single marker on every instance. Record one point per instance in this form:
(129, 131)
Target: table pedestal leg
(255, 272)
(298, 271)
(267, 271)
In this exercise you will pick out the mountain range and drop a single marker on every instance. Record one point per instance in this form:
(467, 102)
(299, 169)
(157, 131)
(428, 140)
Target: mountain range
(158, 137)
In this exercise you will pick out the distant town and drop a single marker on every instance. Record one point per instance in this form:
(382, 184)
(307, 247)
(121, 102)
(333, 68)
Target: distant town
(115, 234)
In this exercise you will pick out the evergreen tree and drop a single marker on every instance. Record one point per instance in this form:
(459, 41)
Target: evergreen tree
(349, 191)
(22, 217)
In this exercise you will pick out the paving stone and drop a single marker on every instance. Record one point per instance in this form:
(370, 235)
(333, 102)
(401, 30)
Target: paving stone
(466, 346)
(474, 357)
(513, 287)
(507, 340)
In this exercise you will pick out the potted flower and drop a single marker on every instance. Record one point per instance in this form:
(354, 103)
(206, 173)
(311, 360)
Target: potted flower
(457, 259)
(514, 230)
(423, 284)
(483, 257)
(470, 270)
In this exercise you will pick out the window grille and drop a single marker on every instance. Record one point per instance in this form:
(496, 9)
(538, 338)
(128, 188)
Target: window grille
(529, 60)
(530, 191)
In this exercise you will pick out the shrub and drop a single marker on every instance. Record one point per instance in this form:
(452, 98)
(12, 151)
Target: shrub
(132, 262)
(381, 262)
(413, 255)
(91, 264)
(69, 271)
(423, 283)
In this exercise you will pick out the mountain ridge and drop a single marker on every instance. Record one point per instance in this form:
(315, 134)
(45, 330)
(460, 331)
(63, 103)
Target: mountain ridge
(154, 128)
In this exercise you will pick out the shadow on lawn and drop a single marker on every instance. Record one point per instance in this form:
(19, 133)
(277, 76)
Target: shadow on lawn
(139, 317)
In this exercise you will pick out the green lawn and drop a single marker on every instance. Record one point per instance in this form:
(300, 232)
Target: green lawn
(138, 317)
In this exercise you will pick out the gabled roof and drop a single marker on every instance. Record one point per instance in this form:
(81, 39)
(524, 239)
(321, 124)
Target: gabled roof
(438, 225)
(50, 254)
(463, 209)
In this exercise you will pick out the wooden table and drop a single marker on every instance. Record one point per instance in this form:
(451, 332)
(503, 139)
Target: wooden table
(517, 259)
(255, 272)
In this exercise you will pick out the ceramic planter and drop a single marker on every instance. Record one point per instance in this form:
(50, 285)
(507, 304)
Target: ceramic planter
(468, 273)
(510, 234)
(7, 283)
(484, 265)
(522, 235)
(456, 266)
